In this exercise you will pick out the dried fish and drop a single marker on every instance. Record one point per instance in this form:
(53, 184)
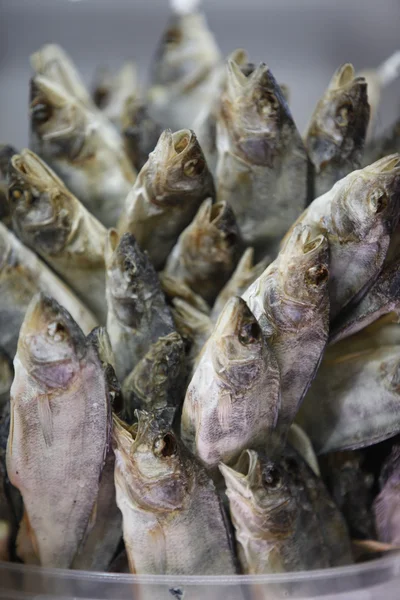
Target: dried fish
(336, 134)
(51, 221)
(377, 80)
(207, 251)
(22, 275)
(105, 531)
(244, 275)
(6, 152)
(383, 298)
(350, 484)
(183, 71)
(59, 431)
(262, 167)
(139, 131)
(111, 90)
(81, 149)
(194, 326)
(358, 216)
(173, 520)
(138, 314)
(175, 288)
(387, 504)
(167, 193)
(387, 143)
(283, 516)
(290, 301)
(233, 399)
(353, 401)
(159, 379)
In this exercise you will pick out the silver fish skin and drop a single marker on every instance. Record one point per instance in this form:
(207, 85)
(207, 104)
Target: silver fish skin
(138, 314)
(233, 399)
(351, 486)
(6, 508)
(335, 137)
(194, 326)
(175, 288)
(386, 505)
(80, 149)
(353, 401)
(159, 379)
(167, 194)
(207, 251)
(283, 515)
(104, 533)
(184, 71)
(111, 90)
(59, 431)
(22, 275)
(258, 147)
(51, 220)
(244, 275)
(168, 503)
(139, 131)
(359, 215)
(6, 152)
(290, 301)
(383, 298)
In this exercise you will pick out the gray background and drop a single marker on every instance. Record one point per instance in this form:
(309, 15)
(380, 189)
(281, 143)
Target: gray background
(303, 41)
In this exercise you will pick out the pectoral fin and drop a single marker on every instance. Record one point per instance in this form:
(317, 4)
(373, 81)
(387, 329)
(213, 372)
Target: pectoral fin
(45, 418)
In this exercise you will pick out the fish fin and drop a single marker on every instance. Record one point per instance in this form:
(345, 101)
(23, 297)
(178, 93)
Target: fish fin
(26, 543)
(45, 418)
(156, 541)
(224, 410)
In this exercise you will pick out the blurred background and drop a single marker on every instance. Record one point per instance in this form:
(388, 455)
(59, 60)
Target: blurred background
(303, 41)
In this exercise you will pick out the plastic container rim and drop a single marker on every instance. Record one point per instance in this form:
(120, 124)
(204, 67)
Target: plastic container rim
(392, 561)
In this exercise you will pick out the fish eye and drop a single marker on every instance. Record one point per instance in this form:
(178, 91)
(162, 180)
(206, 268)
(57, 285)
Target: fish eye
(344, 114)
(173, 36)
(57, 331)
(193, 167)
(41, 112)
(272, 479)
(378, 200)
(249, 333)
(15, 193)
(165, 445)
(129, 269)
(317, 275)
(162, 368)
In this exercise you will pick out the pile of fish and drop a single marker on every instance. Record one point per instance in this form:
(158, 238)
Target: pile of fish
(199, 319)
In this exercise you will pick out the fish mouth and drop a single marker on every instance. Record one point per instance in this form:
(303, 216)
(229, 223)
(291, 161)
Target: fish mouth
(385, 165)
(181, 140)
(243, 474)
(33, 170)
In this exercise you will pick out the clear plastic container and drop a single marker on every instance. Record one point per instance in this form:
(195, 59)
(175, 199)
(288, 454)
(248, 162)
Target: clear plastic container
(303, 41)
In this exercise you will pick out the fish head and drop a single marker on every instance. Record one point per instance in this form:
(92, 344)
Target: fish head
(51, 344)
(187, 48)
(261, 494)
(256, 112)
(157, 474)
(56, 119)
(367, 203)
(41, 205)
(340, 120)
(237, 345)
(304, 265)
(131, 278)
(177, 168)
(213, 236)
